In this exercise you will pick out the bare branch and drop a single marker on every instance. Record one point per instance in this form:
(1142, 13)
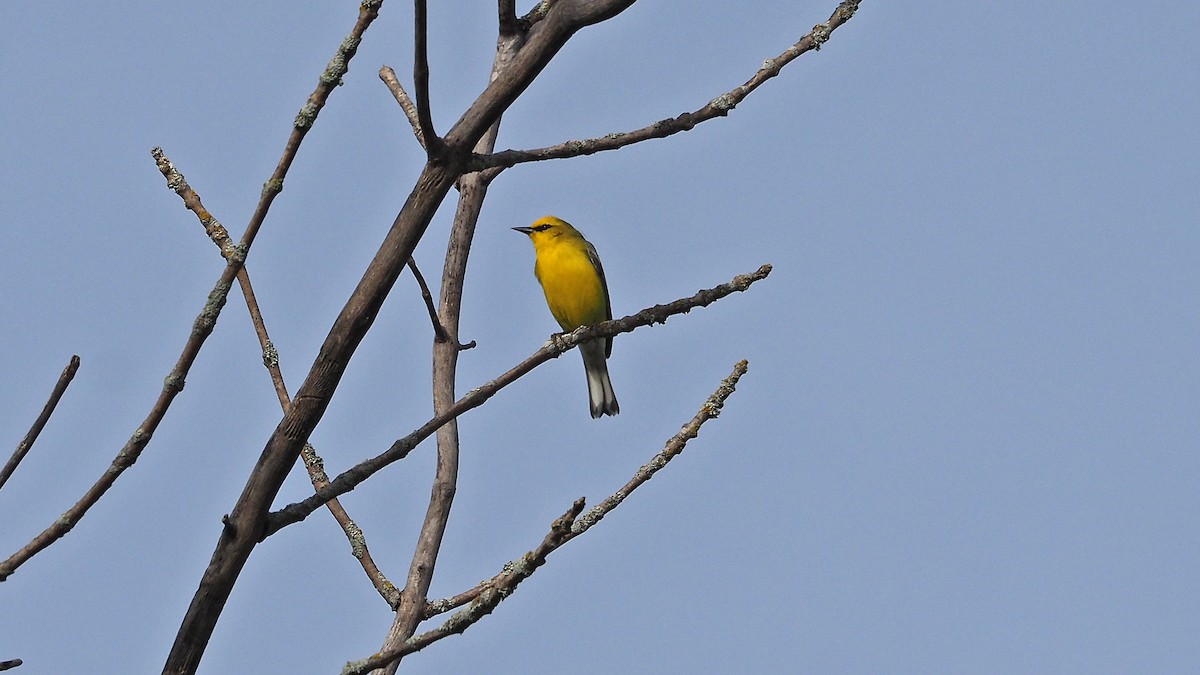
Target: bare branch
(558, 344)
(358, 541)
(718, 107)
(312, 461)
(564, 19)
(710, 409)
(220, 236)
(436, 607)
(432, 144)
(9, 665)
(410, 109)
(507, 11)
(26, 443)
(439, 331)
(485, 597)
(179, 185)
(270, 355)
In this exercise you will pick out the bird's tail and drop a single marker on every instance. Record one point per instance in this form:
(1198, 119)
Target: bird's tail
(600, 392)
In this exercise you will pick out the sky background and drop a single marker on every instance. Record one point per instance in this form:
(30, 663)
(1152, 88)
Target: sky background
(967, 441)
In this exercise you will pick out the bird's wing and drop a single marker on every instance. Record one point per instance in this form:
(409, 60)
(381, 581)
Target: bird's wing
(594, 258)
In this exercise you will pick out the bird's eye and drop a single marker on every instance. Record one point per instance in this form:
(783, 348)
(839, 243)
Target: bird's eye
(541, 228)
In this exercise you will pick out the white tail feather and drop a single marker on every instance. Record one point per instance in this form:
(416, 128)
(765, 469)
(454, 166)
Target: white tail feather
(600, 392)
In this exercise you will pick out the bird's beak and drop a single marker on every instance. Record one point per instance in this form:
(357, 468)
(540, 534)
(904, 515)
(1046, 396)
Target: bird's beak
(523, 230)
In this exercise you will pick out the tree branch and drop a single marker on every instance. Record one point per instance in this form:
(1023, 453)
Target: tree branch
(432, 144)
(563, 19)
(312, 461)
(410, 109)
(26, 443)
(485, 597)
(506, 11)
(354, 534)
(439, 331)
(718, 107)
(220, 236)
(558, 344)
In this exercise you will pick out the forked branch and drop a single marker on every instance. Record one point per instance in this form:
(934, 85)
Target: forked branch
(718, 107)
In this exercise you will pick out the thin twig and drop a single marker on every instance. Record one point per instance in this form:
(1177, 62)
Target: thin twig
(9, 665)
(558, 344)
(358, 540)
(710, 409)
(439, 331)
(270, 354)
(312, 462)
(432, 144)
(26, 443)
(718, 107)
(410, 109)
(485, 597)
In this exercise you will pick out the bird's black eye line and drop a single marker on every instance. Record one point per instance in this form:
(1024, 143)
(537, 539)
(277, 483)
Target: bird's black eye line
(541, 228)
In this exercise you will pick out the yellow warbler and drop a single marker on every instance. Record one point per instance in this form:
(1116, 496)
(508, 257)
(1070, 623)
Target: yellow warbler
(573, 280)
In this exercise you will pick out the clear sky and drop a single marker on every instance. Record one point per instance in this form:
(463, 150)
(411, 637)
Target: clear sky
(967, 441)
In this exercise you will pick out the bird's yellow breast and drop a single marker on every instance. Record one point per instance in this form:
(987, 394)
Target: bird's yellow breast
(572, 285)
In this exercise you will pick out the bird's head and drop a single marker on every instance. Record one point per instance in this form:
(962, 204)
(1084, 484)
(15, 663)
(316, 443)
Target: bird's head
(548, 228)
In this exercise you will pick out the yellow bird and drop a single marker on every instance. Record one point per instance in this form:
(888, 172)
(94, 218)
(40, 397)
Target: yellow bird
(573, 280)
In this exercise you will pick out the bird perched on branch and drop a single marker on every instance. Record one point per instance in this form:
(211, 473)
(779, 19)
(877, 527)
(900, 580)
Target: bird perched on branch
(573, 280)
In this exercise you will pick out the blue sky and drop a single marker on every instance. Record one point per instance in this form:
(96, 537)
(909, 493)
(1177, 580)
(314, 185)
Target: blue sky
(967, 440)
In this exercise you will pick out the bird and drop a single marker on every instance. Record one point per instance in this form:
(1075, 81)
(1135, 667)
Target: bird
(569, 271)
